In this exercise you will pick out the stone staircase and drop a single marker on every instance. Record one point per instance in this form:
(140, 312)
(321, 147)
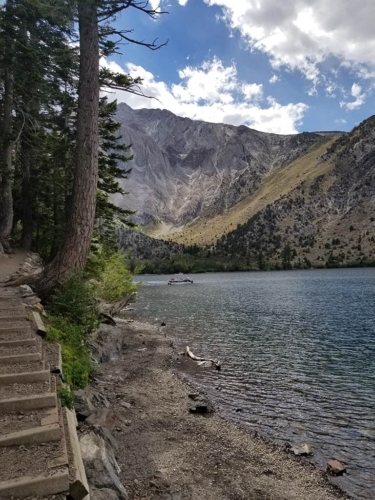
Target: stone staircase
(38, 439)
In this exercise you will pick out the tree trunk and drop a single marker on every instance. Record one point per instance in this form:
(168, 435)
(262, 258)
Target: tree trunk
(76, 246)
(27, 214)
(6, 174)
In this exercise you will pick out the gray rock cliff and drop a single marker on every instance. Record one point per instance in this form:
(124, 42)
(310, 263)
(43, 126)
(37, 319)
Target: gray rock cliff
(184, 168)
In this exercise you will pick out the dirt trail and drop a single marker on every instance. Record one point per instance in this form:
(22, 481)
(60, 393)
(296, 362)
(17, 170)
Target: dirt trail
(10, 264)
(165, 452)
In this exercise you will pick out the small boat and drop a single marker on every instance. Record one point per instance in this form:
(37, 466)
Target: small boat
(180, 281)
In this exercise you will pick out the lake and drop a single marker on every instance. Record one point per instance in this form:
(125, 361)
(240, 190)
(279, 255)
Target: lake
(298, 355)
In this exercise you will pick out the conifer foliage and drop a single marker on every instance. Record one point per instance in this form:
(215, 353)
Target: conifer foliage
(59, 143)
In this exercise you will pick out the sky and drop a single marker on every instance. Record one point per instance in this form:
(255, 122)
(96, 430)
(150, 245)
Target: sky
(281, 66)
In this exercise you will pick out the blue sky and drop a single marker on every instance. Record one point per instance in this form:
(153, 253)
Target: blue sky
(283, 67)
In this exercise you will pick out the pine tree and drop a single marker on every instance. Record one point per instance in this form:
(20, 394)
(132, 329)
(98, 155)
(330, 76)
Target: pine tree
(93, 31)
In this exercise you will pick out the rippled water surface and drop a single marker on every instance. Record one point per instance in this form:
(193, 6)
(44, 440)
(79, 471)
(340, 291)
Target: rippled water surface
(298, 354)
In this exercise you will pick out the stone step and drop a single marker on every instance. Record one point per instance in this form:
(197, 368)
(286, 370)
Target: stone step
(18, 350)
(17, 316)
(9, 294)
(15, 323)
(43, 434)
(6, 330)
(32, 460)
(12, 308)
(23, 420)
(18, 343)
(25, 403)
(25, 378)
(24, 333)
(32, 366)
(27, 389)
(27, 486)
(20, 358)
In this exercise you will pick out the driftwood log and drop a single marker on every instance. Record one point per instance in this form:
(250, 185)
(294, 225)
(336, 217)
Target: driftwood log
(203, 361)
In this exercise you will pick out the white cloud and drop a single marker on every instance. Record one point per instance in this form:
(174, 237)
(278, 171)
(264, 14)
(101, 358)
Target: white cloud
(183, 2)
(213, 93)
(252, 91)
(274, 79)
(359, 97)
(302, 34)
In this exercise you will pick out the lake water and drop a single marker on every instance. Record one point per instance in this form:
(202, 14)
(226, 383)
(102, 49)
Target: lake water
(298, 355)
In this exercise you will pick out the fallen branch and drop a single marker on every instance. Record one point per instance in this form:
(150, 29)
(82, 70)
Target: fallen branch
(202, 361)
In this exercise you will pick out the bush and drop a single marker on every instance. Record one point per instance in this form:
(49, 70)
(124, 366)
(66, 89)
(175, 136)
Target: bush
(75, 303)
(116, 282)
(73, 315)
(74, 350)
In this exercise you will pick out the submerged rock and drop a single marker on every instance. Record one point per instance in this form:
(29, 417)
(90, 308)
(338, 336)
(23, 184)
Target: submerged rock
(335, 468)
(303, 450)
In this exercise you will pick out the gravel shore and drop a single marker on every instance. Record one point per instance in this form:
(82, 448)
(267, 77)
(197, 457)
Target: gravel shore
(166, 452)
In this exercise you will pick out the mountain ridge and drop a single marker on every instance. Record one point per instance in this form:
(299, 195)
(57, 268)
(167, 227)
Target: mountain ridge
(184, 168)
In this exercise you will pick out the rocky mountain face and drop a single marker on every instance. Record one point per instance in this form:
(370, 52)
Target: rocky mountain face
(183, 169)
(140, 246)
(327, 219)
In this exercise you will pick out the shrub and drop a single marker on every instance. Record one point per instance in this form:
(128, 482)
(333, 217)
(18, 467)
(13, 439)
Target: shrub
(116, 282)
(74, 350)
(73, 315)
(66, 396)
(75, 302)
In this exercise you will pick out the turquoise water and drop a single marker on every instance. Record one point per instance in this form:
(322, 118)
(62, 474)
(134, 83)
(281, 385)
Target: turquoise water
(298, 354)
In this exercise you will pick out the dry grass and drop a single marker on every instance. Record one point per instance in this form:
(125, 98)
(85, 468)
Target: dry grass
(279, 183)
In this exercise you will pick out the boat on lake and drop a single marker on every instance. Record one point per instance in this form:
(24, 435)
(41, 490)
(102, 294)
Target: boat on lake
(180, 280)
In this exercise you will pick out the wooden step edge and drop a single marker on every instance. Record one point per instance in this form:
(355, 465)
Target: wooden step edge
(25, 403)
(10, 329)
(79, 488)
(34, 435)
(40, 328)
(26, 486)
(63, 459)
(25, 377)
(18, 343)
(18, 317)
(57, 369)
(20, 358)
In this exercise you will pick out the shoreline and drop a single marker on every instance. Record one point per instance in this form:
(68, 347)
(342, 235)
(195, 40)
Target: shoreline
(166, 452)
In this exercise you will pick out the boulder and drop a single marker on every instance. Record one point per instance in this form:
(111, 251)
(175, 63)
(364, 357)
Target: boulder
(102, 417)
(25, 290)
(335, 468)
(100, 463)
(82, 405)
(30, 300)
(201, 407)
(104, 494)
(303, 450)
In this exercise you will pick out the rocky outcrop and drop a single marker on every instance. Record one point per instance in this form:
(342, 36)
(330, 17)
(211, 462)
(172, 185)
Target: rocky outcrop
(326, 219)
(184, 168)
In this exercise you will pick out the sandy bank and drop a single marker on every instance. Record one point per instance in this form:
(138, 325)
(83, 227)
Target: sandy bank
(167, 453)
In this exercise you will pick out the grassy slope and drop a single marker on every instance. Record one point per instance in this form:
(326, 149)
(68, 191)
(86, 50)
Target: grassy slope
(281, 182)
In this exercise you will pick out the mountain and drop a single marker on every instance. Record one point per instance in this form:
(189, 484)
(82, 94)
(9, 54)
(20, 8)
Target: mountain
(318, 210)
(184, 169)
